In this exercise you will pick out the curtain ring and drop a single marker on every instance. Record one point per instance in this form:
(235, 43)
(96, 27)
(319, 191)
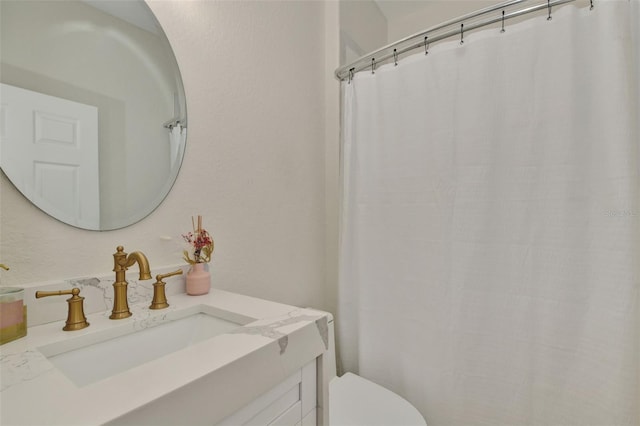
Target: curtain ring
(350, 75)
(591, 8)
(502, 30)
(549, 7)
(461, 33)
(373, 65)
(395, 57)
(426, 45)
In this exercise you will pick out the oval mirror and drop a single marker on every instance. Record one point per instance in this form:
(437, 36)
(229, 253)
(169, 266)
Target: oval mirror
(93, 113)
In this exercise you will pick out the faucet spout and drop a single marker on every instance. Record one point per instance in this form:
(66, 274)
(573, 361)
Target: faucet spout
(122, 261)
(143, 264)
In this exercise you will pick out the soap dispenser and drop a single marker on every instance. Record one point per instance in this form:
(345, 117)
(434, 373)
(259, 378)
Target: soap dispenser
(13, 313)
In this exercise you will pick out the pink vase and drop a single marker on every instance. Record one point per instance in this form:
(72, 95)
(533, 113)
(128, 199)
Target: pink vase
(198, 280)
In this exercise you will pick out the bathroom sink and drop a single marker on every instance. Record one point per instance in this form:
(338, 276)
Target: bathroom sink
(92, 358)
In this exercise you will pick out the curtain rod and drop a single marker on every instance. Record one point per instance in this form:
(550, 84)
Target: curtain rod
(434, 34)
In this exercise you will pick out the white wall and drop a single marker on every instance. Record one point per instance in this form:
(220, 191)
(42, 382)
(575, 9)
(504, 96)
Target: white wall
(434, 13)
(332, 153)
(255, 80)
(363, 28)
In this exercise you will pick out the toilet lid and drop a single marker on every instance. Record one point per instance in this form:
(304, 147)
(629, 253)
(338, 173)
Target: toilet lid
(357, 401)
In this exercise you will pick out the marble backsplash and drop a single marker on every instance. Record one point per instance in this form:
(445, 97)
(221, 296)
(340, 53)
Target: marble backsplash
(97, 293)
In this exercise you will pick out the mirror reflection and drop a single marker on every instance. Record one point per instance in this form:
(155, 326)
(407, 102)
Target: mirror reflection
(93, 114)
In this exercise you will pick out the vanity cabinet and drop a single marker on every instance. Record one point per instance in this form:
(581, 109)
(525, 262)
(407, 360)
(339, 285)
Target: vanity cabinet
(292, 402)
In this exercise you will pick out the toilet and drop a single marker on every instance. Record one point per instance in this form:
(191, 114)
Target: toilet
(356, 401)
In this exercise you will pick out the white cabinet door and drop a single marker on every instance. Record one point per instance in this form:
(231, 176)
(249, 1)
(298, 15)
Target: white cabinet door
(49, 150)
(291, 403)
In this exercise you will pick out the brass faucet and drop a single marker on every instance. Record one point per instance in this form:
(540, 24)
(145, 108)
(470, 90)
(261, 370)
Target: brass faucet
(159, 296)
(121, 261)
(75, 316)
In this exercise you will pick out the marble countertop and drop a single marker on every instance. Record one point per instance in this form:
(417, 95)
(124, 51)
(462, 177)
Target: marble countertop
(272, 341)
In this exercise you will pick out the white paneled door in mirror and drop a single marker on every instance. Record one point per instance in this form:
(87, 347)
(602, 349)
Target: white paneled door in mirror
(50, 152)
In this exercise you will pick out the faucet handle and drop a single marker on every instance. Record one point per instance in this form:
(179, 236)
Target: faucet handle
(75, 316)
(159, 297)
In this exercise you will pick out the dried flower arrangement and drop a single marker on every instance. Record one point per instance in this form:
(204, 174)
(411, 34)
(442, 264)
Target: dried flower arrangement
(200, 244)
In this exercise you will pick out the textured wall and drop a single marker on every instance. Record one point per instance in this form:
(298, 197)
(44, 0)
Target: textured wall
(363, 28)
(436, 12)
(254, 75)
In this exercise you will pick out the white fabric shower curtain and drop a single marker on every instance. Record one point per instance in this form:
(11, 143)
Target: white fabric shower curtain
(490, 244)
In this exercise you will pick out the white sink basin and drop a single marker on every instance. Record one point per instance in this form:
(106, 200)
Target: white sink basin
(92, 358)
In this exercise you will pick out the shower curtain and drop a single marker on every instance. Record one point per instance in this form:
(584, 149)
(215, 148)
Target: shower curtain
(490, 242)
